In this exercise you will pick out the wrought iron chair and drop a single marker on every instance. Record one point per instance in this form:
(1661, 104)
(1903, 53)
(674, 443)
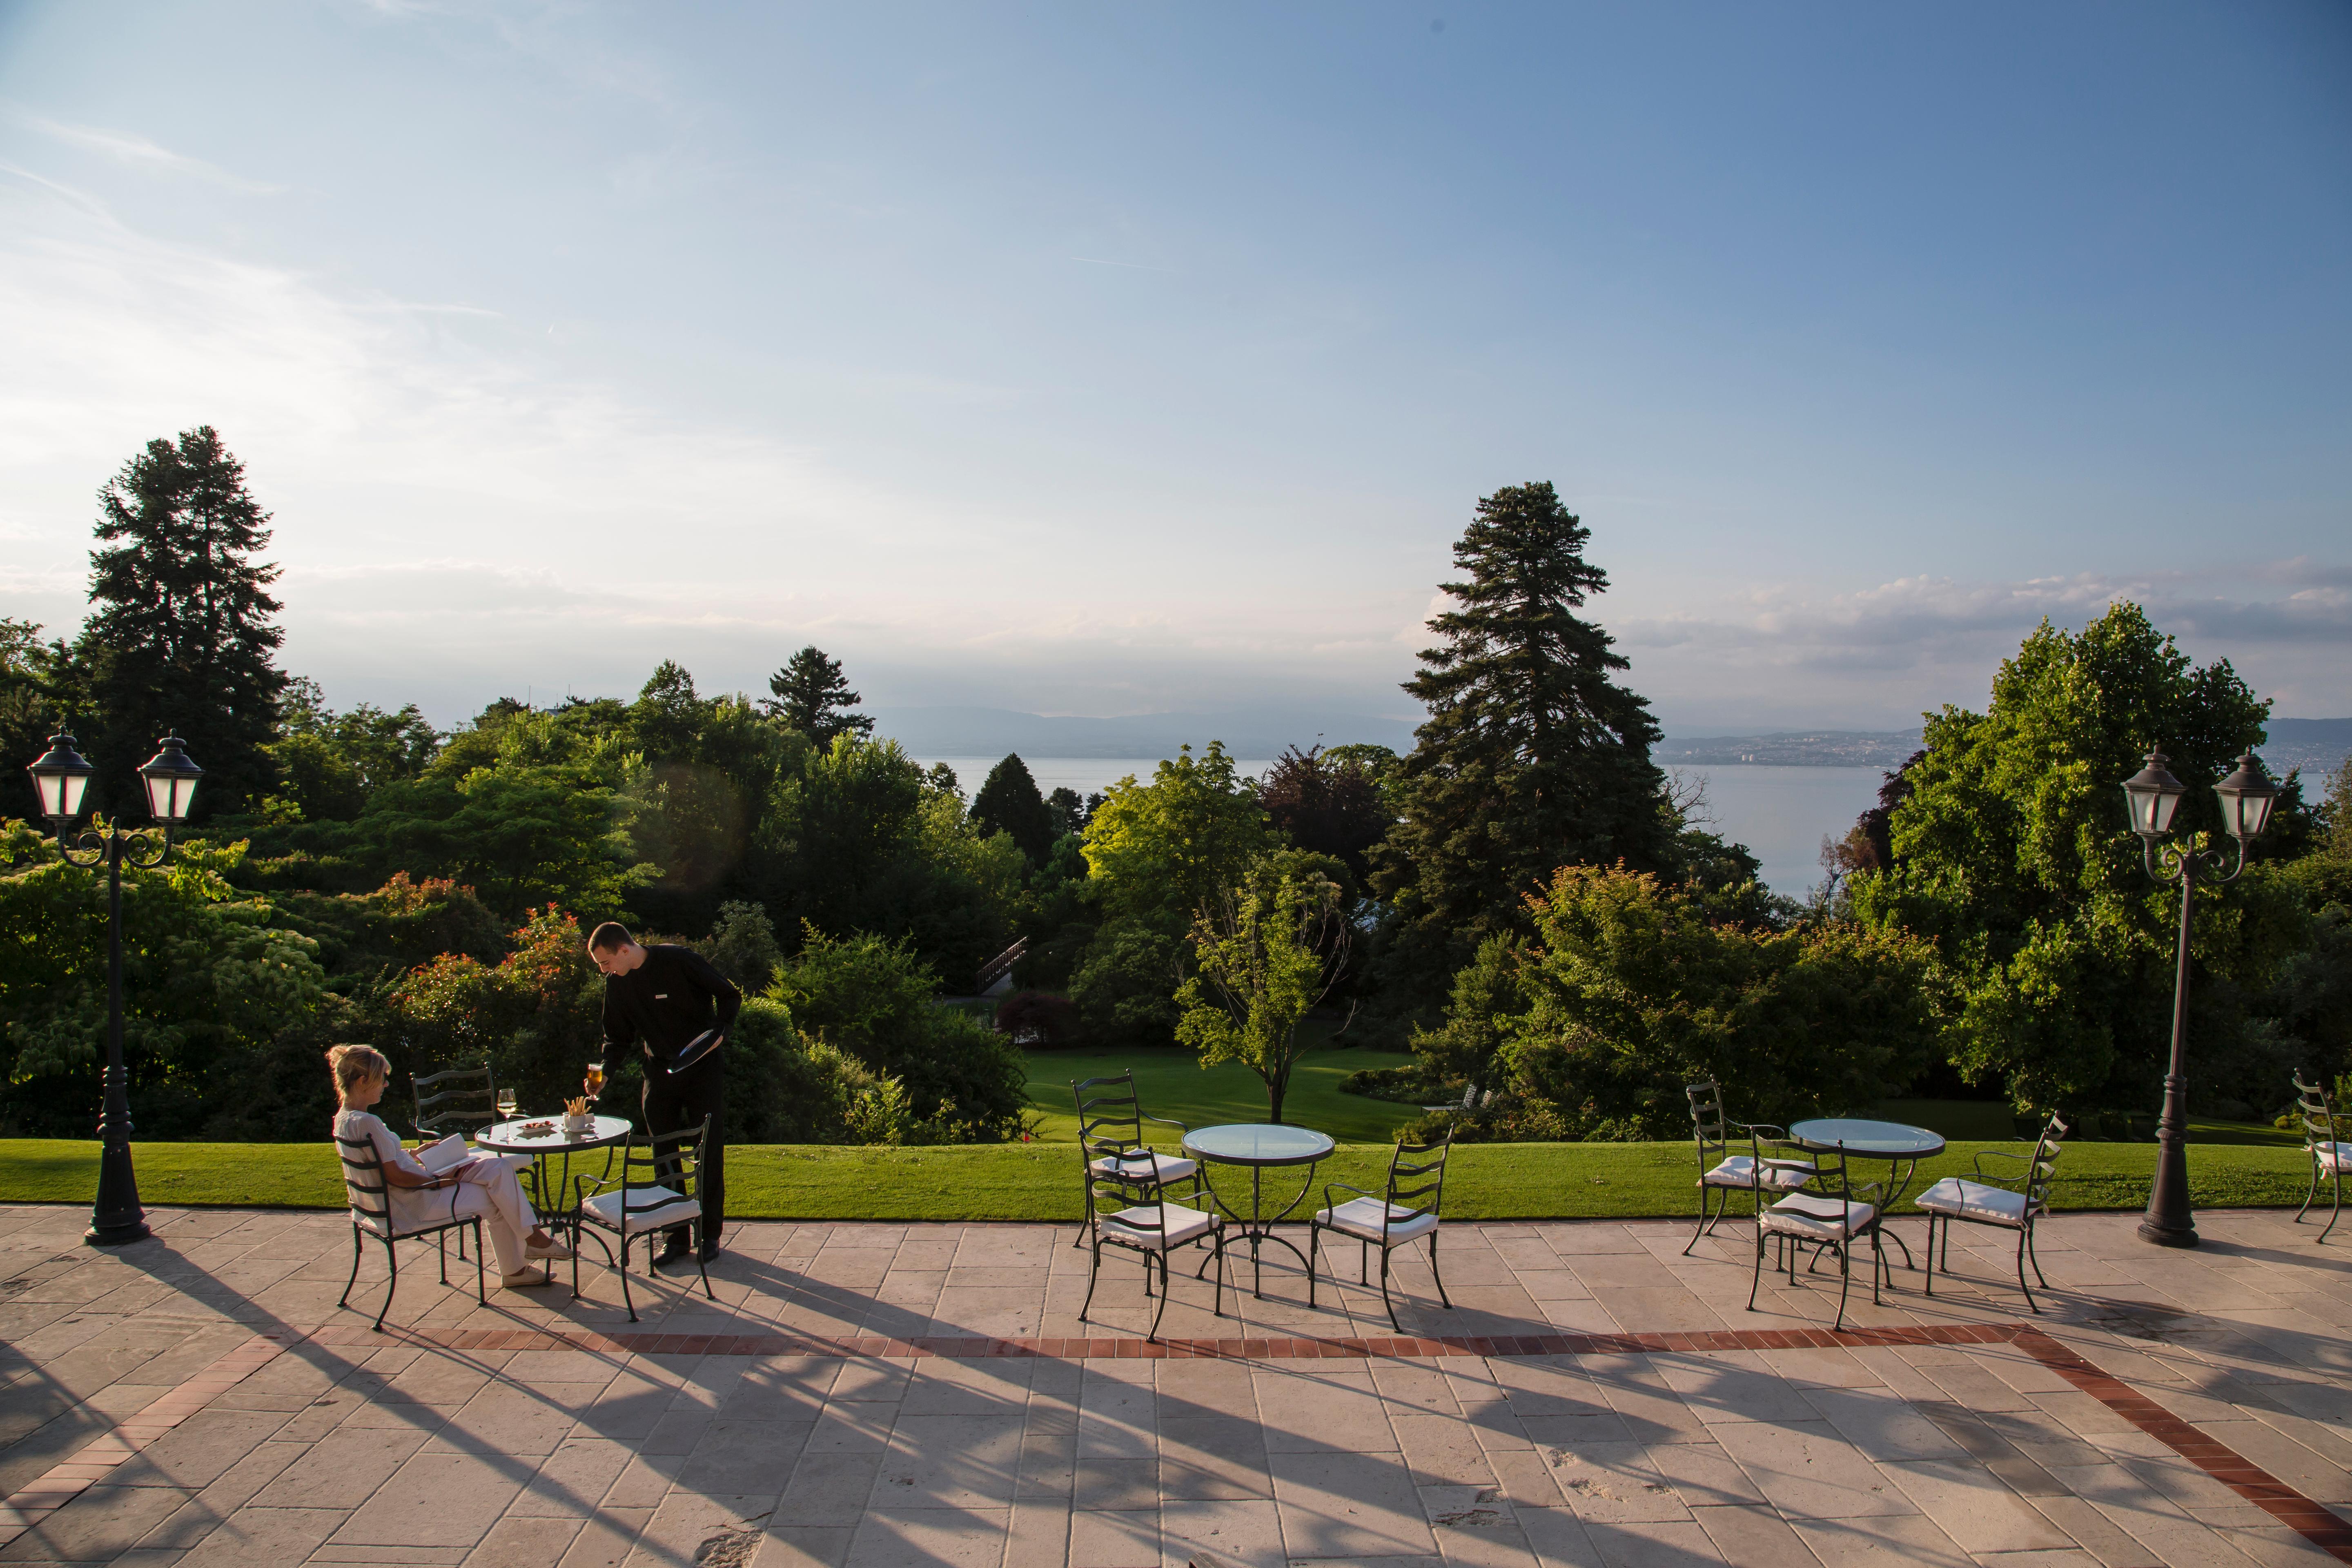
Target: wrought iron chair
(2322, 1140)
(456, 1100)
(1721, 1171)
(2008, 1202)
(1389, 1219)
(1151, 1224)
(1833, 1218)
(369, 1196)
(660, 1188)
(1111, 1146)
(468, 1104)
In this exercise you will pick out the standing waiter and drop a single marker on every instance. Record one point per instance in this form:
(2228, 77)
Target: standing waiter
(662, 998)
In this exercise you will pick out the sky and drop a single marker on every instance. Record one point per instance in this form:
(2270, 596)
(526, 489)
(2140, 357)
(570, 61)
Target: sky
(1121, 359)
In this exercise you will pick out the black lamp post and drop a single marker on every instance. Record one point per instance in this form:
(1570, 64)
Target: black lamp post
(2153, 795)
(61, 777)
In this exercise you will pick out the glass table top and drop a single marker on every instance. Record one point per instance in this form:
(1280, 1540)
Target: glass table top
(1887, 1140)
(513, 1135)
(1258, 1143)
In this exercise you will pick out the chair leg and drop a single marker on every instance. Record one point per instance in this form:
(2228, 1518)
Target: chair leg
(391, 1283)
(441, 1246)
(1153, 1336)
(1930, 1286)
(482, 1281)
(1442, 1298)
(1757, 1278)
(2335, 1214)
(1219, 1299)
(632, 1306)
(1314, 1241)
(354, 1279)
(698, 1266)
(2021, 1233)
(1364, 1261)
(1845, 1281)
(1703, 1219)
(1093, 1272)
(1394, 1327)
(2032, 1255)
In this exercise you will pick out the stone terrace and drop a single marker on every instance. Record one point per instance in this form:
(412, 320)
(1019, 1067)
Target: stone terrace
(923, 1393)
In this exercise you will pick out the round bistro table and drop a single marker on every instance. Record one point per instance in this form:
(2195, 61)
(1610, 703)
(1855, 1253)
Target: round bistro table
(1894, 1142)
(509, 1138)
(1259, 1147)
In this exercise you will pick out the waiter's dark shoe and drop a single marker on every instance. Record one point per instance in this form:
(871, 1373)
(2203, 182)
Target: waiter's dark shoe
(709, 1250)
(675, 1248)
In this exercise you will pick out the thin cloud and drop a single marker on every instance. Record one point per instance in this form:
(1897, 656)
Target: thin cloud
(136, 151)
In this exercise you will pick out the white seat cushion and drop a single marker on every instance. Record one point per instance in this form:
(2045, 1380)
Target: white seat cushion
(1142, 1225)
(1143, 1166)
(1739, 1171)
(2333, 1157)
(1360, 1217)
(1963, 1199)
(650, 1208)
(1827, 1219)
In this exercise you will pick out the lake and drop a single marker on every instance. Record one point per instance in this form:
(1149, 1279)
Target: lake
(1779, 812)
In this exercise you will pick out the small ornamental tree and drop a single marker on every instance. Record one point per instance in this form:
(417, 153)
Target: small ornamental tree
(1268, 955)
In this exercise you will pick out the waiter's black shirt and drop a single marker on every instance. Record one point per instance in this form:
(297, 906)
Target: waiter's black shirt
(666, 1001)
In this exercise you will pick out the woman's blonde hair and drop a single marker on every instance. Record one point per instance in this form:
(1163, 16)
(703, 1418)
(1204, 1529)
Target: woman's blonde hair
(354, 1065)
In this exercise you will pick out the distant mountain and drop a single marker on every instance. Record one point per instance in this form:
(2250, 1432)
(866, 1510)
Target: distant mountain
(1791, 749)
(992, 732)
(2317, 746)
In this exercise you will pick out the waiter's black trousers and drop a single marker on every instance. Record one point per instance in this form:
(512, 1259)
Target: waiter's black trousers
(672, 1103)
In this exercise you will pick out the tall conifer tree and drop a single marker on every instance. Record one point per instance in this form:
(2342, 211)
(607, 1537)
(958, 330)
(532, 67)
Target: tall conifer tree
(180, 636)
(1532, 757)
(813, 697)
(1009, 803)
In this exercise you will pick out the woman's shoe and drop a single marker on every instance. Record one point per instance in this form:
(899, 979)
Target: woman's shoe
(525, 1279)
(545, 1251)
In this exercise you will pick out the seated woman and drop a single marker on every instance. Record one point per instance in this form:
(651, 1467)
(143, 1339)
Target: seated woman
(483, 1185)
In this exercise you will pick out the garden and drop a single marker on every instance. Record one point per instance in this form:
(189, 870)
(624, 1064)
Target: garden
(1522, 934)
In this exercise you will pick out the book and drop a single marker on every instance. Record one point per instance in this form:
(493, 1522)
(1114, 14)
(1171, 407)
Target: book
(445, 1155)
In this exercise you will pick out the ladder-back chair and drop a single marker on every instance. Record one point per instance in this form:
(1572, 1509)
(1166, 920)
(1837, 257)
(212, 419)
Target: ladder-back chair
(2013, 1201)
(1388, 1219)
(369, 1192)
(1837, 1215)
(2321, 1134)
(660, 1188)
(1149, 1223)
(1721, 1171)
(1111, 1146)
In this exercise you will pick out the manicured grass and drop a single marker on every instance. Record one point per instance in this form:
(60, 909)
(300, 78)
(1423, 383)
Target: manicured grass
(1172, 1083)
(1040, 1180)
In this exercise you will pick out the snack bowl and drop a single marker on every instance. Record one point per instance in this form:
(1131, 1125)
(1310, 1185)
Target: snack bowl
(577, 1122)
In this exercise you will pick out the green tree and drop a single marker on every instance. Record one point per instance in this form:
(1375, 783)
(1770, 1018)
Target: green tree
(1268, 954)
(1532, 757)
(2011, 850)
(28, 714)
(1009, 803)
(813, 697)
(1631, 990)
(1161, 852)
(209, 975)
(180, 637)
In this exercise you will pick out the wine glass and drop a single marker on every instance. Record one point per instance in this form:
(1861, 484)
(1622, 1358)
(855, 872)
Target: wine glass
(506, 1104)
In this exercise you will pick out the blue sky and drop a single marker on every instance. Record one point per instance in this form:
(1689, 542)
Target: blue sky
(1108, 360)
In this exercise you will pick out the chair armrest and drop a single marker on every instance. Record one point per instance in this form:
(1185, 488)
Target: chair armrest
(1761, 1129)
(1165, 1121)
(1331, 1187)
(2000, 1180)
(583, 1184)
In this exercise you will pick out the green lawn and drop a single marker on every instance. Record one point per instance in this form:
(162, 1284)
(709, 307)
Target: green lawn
(1172, 1082)
(1040, 1180)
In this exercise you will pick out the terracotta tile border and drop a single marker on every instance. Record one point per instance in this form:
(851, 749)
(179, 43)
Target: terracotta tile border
(90, 1463)
(29, 1504)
